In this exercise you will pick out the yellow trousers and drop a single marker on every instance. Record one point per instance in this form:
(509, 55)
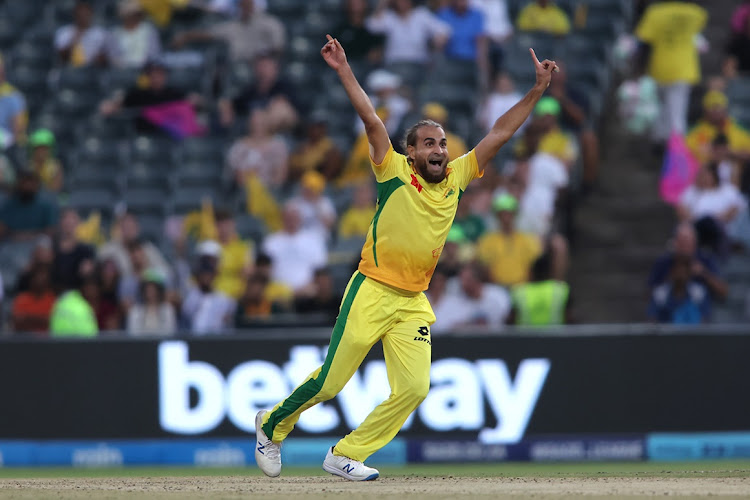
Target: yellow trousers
(370, 311)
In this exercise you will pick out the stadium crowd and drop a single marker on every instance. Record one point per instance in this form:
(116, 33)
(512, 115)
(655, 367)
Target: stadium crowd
(217, 178)
(712, 153)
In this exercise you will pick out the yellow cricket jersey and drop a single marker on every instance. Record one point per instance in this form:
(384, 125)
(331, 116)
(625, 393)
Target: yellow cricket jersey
(700, 137)
(412, 220)
(550, 19)
(670, 29)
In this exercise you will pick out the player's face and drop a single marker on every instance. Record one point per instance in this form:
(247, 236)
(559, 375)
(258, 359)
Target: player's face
(430, 154)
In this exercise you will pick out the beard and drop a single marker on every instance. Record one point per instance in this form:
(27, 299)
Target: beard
(421, 166)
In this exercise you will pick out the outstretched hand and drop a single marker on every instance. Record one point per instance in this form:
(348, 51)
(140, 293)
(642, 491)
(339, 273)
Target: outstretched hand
(544, 70)
(333, 53)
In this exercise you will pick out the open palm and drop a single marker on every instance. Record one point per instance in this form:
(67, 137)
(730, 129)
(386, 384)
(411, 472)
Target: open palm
(333, 53)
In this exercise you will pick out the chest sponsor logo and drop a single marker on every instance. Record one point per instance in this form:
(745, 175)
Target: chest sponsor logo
(415, 183)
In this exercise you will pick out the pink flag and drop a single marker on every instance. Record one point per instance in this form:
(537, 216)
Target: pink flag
(678, 171)
(177, 118)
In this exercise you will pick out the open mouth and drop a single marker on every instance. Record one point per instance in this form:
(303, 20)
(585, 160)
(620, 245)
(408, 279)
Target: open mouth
(436, 163)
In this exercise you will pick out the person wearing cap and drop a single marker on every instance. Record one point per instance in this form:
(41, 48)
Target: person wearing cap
(316, 152)
(135, 41)
(457, 251)
(508, 253)
(418, 194)
(42, 159)
(81, 43)
(715, 121)
(670, 28)
(553, 139)
(386, 87)
(355, 222)
(436, 112)
(316, 209)
(153, 314)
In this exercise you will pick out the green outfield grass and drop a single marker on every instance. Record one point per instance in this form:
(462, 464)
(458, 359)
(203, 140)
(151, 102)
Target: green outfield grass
(718, 468)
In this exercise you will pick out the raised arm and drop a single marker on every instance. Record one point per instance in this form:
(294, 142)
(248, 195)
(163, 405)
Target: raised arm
(506, 125)
(377, 136)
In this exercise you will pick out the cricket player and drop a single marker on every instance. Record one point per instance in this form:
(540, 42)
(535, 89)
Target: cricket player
(384, 301)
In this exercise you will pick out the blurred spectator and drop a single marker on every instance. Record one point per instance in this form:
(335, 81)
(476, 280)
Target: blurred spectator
(740, 16)
(253, 33)
(267, 90)
(681, 299)
(13, 112)
(7, 176)
(360, 43)
(236, 258)
(316, 152)
(468, 34)
(41, 256)
(357, 169)
(711, 206)
(161, 11)
(502, 97)
(43, 161)
(295, 252)
(543, 301)
(436, 293)
(553, 139)
(279, 294)
(138, 263)
(508, 253)
(81, 43)
(536, 204)
(253, 304)
(319, 297)
(107, 308)
(498, 27)
(386, 97)
(157, 92)
(472, 225)
(316, 209)
(437, 113)
(729, 165)
(355, 222)
(543, 16)
(73, 315)
(471, 301)
(128, 231)
(409, 31)
(32, 308)
(73, 259)
(670, 29)
(153, 315)
(703, 267)
(715, 121)
(574, 119)
(28, 213)
(457, 251)
(206, 310)
(259, 153)
(135, 41)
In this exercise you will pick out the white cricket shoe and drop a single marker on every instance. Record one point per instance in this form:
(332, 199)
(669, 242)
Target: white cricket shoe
(267, 453)
(347, 468)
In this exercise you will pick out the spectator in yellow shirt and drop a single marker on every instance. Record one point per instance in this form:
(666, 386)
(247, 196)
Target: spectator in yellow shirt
(670, 28)
(508, 253)
(355, 223)
(545, 17)
(358, 168)
(437, 113)
(715, 121)
(553, 139)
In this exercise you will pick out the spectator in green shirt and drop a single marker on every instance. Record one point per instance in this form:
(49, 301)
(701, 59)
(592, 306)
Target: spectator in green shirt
(73, 315)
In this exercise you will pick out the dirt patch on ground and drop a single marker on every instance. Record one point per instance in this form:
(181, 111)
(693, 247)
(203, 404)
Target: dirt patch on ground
(408, 487)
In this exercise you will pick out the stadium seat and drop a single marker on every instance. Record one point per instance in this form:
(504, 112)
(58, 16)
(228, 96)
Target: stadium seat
(29, 79)
(738, 91)
(152, 150)
(146, 200)
(8, 33)
(94, 175)
(203, 149)
(286, 8)
(71, 104)
(199, 173)
(152, 226)
(189, 79)
(119, 79)
(79, 79)
(187, 199)
(86, 201)
(98, 150)
(31, 54)
(143, 175)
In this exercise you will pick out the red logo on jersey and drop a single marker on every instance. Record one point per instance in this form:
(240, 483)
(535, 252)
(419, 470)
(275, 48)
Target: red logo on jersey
(415, 183)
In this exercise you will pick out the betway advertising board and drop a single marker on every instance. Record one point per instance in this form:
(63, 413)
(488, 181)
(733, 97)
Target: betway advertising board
(490, 390)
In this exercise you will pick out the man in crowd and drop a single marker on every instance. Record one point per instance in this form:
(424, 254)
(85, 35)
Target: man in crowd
(28, 213)
(73, 258)
(81, 43)
(715, 121)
